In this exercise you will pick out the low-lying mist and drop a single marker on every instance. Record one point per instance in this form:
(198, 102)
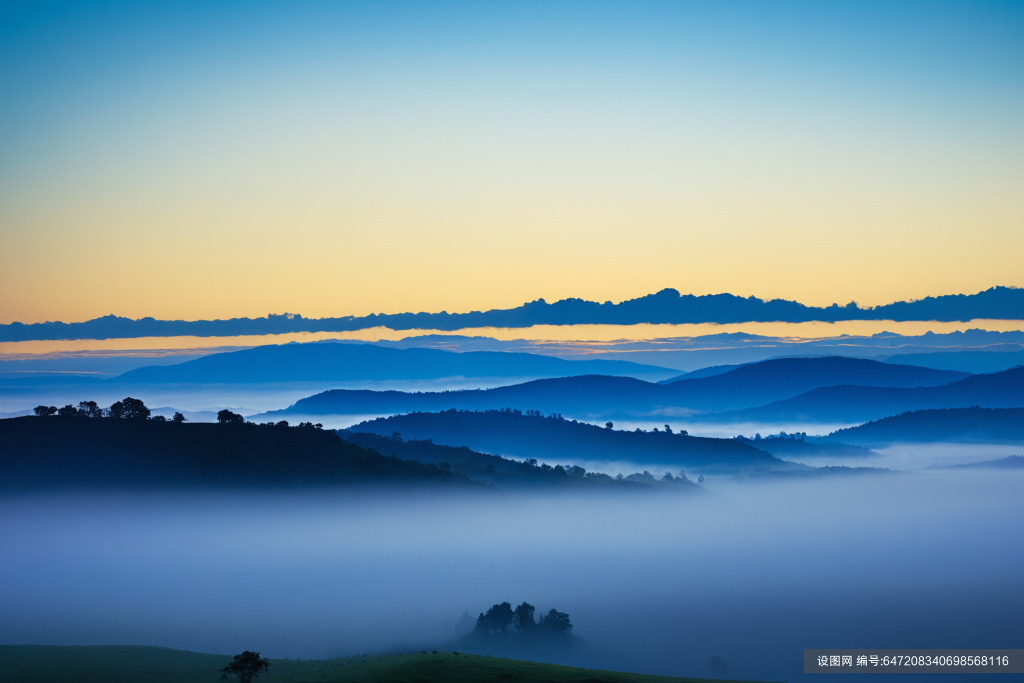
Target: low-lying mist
(750, 572)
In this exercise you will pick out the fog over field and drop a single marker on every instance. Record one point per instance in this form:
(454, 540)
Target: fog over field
(750, 572)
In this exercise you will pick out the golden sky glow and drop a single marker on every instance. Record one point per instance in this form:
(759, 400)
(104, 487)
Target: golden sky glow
(477, 179)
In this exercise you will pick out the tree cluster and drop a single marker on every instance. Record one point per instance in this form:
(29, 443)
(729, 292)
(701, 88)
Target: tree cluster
(500, 618)
(127, 409)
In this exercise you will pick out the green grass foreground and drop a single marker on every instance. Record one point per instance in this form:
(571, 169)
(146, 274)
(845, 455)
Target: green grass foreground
(111, 664)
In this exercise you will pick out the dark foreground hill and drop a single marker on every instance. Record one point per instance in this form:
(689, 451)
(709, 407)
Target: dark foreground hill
(44, 452)
(748, 385)
(957, 425)
(131, 663)
(524, 436)
(340, 362)
(861, 404)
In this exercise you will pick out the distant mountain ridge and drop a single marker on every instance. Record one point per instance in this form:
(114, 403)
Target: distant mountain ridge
(328, 361)
(748, 385)
(955, 425)
(666, 306)
(861, 404)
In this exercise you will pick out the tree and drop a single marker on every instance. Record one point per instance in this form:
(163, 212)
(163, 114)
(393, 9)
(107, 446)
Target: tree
(68, 411)
(130, 409)
(246, 666)
(668, 429)
(609, 425)
(557, 621)
(89, 409)
(45, 411)
(179, 418)
(498, 618)
(523, 617)
(227, 417)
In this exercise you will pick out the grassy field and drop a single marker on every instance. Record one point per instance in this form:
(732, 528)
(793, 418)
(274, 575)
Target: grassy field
(112, 664)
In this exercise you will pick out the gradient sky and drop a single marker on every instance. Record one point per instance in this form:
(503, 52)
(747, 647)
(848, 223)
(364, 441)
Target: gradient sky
(229, 159)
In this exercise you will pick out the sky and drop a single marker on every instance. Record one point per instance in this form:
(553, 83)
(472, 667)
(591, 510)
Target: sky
(212, 160)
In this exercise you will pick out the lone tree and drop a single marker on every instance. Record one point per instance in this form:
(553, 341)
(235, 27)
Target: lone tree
(179, 418)
(130, 408)
(246, 666)
(227, 417)
(45, 411)
(523, 617)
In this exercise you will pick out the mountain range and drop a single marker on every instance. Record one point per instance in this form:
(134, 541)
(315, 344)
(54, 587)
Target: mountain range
(748, 385)
(666, 306)
(338, 362)
(850, 403)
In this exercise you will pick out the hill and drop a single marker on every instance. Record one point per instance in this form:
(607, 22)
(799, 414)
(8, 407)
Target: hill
(337, 362)
(861, 404)
(506, 473)
(593, 395)
(57, 452)
(666, 306)
(957, 425)
(975, 362)
(131, 663)
(797, 446)
(514, 434)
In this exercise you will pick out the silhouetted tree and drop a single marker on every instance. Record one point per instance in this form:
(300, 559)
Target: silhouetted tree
(668, 429)
(45, 411)
(498, 618)
(89, 409)
(68, 411)
(246, 666)
(557, 621)
(523, 617)
(129, 408)
(227, 417)
(576, 471)
(179, 418)
(282, 423)
(609, 425)
(396, 436)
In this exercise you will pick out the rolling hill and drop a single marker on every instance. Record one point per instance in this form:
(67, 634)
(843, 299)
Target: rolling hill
(513, 434)
(337, 362)
(748, 385)
(861, 404)
(107, 663)
(956, 425)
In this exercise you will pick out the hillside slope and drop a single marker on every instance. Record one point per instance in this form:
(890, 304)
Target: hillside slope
(956, 425)
(131, 663)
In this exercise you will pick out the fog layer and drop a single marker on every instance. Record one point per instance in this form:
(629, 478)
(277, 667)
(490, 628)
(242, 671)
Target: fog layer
(752, 573)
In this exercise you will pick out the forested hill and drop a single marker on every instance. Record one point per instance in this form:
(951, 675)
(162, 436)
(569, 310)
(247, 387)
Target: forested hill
(43, 452)
(964, 425)
(526, 435)
(666, 306)
(506, 473)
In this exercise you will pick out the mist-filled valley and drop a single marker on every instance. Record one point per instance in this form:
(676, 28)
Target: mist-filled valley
(751, 572)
